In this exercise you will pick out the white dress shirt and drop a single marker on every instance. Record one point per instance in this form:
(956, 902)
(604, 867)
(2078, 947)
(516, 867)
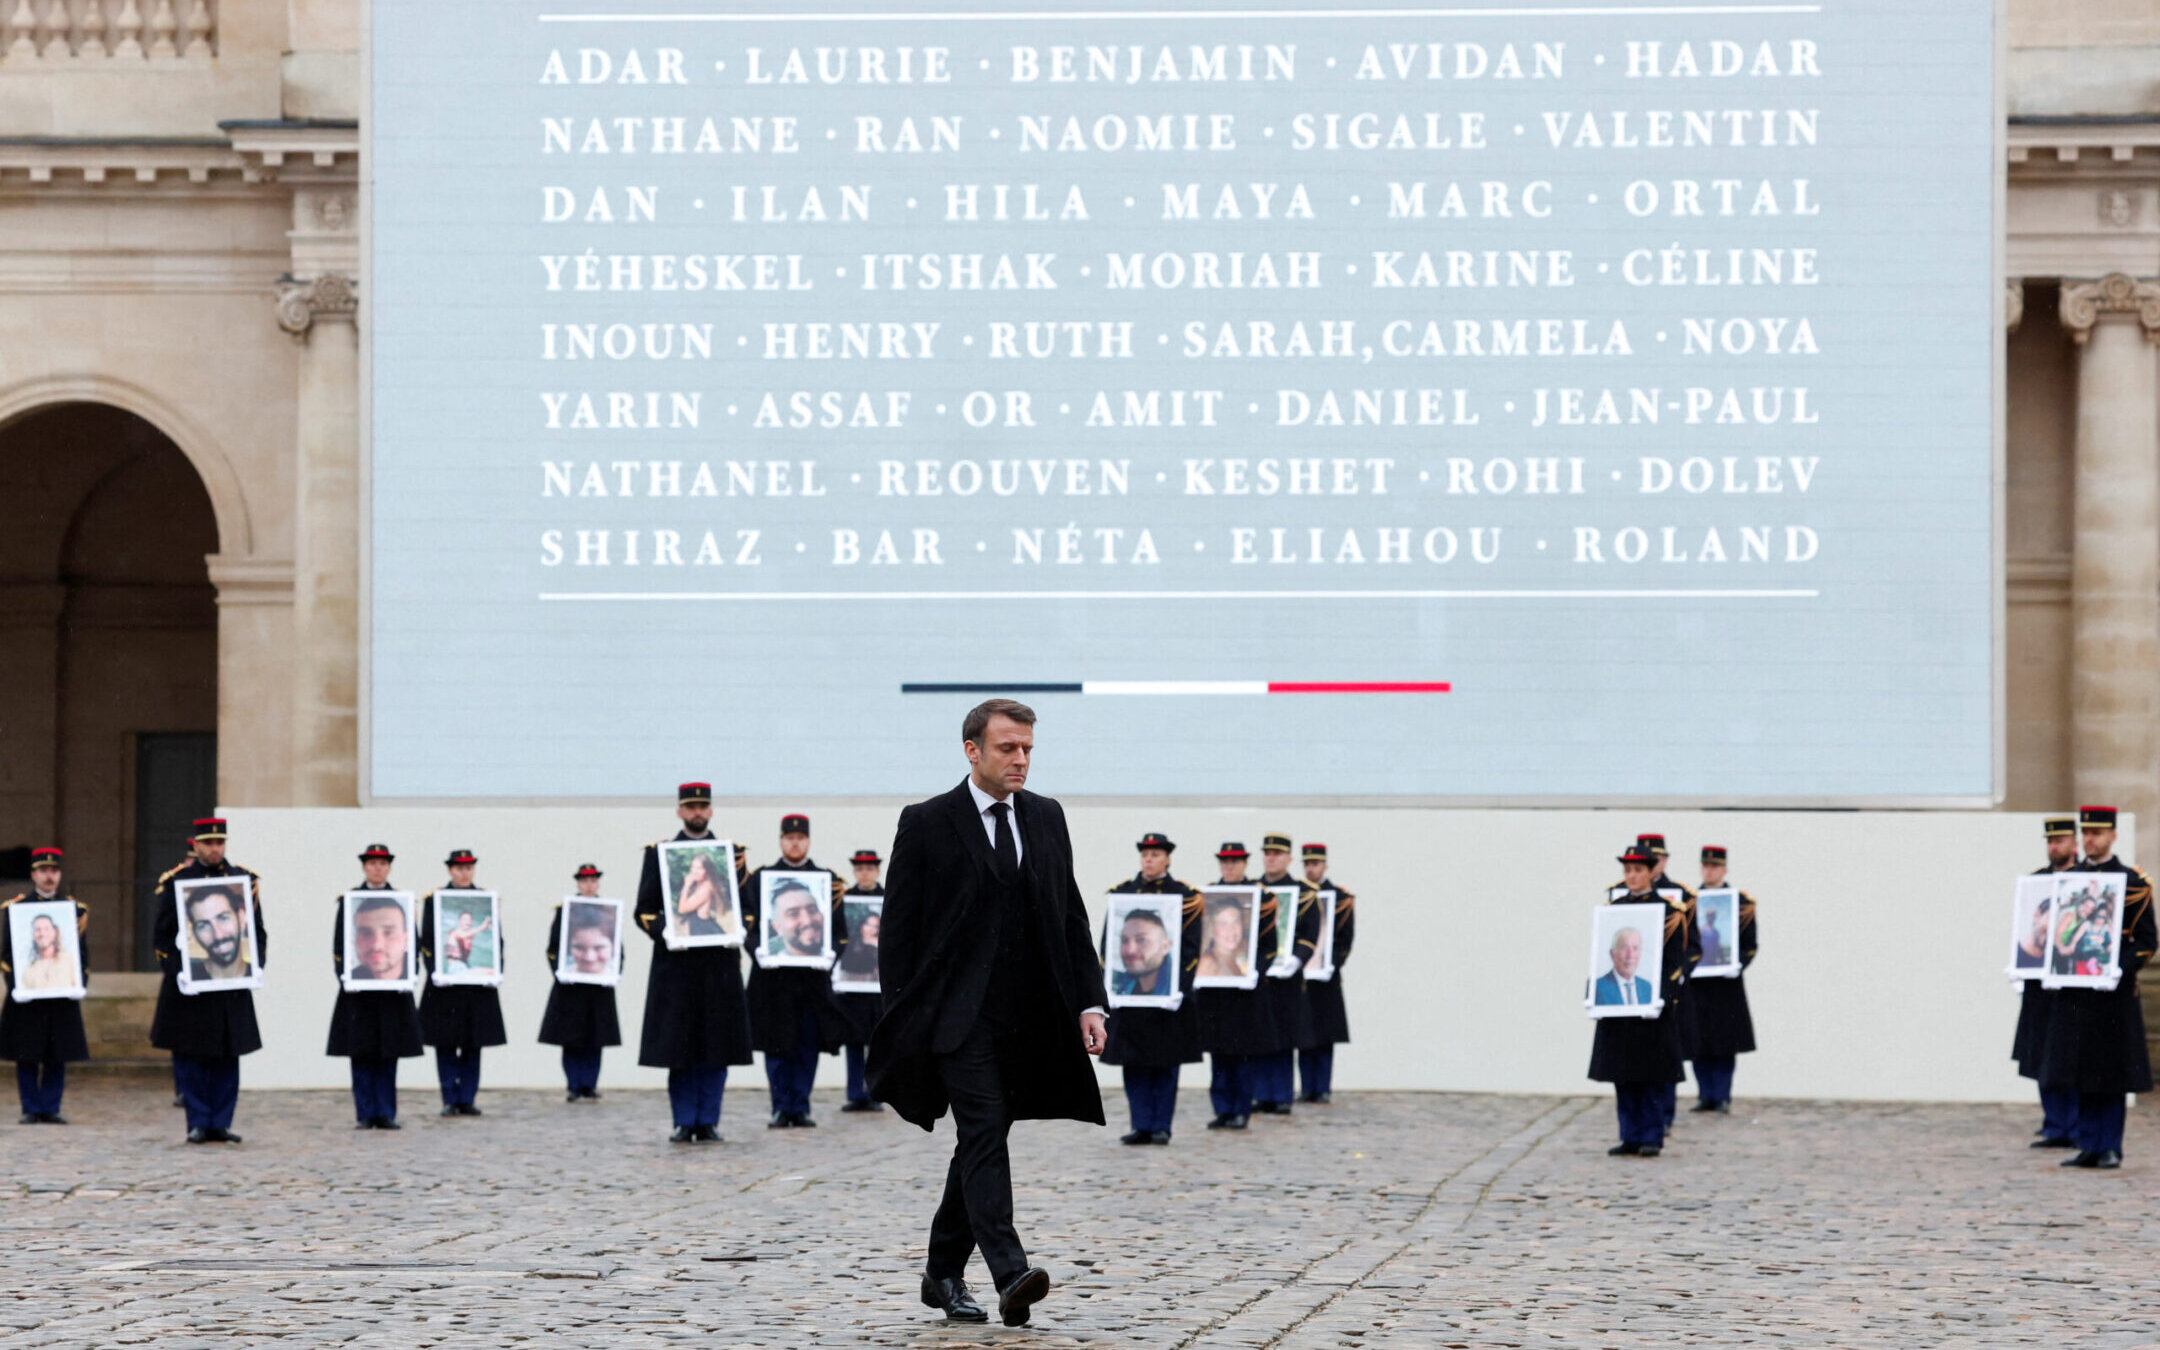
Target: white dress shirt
(983, 802)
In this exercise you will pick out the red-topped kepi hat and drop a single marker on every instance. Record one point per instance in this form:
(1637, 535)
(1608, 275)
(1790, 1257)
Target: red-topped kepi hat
(694, 794)
(2096, 817)
(795, 824)
(1713, 853)
(1232, 849)
(461, 857)
(866, 857)
(209, 829)
(377, 853)
(1315, 851)
(587, 872)
(45, 857)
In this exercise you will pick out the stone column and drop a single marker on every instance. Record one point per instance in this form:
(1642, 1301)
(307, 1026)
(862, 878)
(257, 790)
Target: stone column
(2115, 569)
(255, 679)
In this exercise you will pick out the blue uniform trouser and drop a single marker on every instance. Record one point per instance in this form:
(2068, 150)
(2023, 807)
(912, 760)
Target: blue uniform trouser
(1275, 1077)
(209, 1089)
(1316, 1070)
(581, 1069)
(40, 1085)
(1231, 1084)
(1151, 1094)
(1642, 1112)
(1668, 1103)
(857, 1089)
(458, 1070)
(1713, 1079)
(694, 1095)
(2100, 1122)
(790, 1073)
(2058, 1113)
(374, 1088)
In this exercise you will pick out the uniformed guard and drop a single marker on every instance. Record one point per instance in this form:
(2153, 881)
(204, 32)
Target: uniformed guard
(1283, 984)
(1660, 882)
(1235, 1024)
(373, 1028)
(696, 1022)
(43, 1036)
(2095, 1039)
(2058, 1106)
(580, 1017)
(1330, 1016)
(1641, 1056)
(1721, 1028)
(793, 1018)
(206, 1032)
(858, 1008)
(1149, 1044)
(459, 1020)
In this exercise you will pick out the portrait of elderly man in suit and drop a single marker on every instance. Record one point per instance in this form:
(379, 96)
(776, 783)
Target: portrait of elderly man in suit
(1621, 986)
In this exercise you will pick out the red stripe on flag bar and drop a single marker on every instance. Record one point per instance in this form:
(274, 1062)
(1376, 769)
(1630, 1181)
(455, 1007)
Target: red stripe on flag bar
(1359, 687)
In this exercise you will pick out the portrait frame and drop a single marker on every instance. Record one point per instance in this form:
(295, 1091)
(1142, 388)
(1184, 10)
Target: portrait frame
(677, 856)
(566, 971)
(1245, 897)
(23, 916)
(1287, 895)
(358, 984)
(445, 916)
(1167, 910)
(771, 883)
(854, 909)
(192, 952)
(1724, 901)
(1321, 964)
(2086, 973)
(2033, 897)
(1606, 923)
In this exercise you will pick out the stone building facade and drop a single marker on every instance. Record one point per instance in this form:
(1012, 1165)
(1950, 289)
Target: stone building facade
(180, 393)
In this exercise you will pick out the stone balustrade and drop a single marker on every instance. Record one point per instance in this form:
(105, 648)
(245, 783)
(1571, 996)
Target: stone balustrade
(53, 35)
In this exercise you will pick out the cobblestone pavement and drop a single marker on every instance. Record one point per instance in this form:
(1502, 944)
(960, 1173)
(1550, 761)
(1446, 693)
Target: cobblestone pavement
(1391, 1219)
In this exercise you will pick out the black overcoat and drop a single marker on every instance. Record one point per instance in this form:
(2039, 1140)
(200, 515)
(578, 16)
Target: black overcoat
(578, 1016)
(1161, 1038)
(1718, 1008)
(695, 1016)
(940, 935)
(2034, 1005)
(1324, 998)
(858, 1010)
(455, 1016)
(1293, 1010)
(1256, 1021)
(218, 1024)
(44, 1030)
(2095, 1038)
(1640, 1050)
(780, 997)
(368, 1023)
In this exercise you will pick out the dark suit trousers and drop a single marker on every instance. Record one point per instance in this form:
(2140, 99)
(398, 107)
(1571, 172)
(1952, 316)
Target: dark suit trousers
(977, 1209)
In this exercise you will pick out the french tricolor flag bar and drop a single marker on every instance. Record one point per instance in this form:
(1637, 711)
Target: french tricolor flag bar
(1214, 687)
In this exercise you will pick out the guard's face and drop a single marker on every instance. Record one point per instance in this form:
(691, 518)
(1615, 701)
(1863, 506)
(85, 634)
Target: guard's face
(588, 886)
(379, 943)
(866, 874)
(216, 927)
(1713, 874)
(210, 851)
(1226, 929)
(695, 815)
(1276, 860)
(591, 951)
(45, 935)
(1001, 762)
(1316, 870)
(1233, 869)
(1626, 953)
(377, 871)
(794, 847)
(1154, 862)
(800, 925)
(1637, 875)
(461, 877)
(46, 878)
(2062, 848)
(2099, 843)
(1142, 946)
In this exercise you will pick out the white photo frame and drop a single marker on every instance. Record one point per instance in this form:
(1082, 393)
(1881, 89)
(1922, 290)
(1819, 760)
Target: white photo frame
(1608, 993)
(581, 962)
(361, 976)
(1321, 965)
(483, 960)
(2032, 913)
(55, 969)
(776, 946)
(1156, 987)
(1234, 969)
(2078, 956)
(197, 974)
(852, 974)
(1717, 920)
(708, 867)
(1286, 896)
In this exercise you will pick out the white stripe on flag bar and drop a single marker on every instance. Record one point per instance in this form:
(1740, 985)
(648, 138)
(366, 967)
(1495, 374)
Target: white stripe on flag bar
(1173, 686)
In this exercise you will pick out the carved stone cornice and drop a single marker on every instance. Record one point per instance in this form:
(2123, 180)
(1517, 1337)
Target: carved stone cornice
(332, 297)
(2085, 303)
(242, 580)
(2013, 303)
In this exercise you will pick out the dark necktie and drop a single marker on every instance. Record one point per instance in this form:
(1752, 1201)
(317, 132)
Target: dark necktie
(1001, 840)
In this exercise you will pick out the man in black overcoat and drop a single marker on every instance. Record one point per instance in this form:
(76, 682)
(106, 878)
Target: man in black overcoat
(793, 1016)
(1330, 1016)
(993, 997)
(206, 1032)
(1149, 1043)
(2058, 1106)
(1720, 1028)
(1641, 1056)
(580, 1017)
(2095, 1041)
(44, 1035)
(373, 1029)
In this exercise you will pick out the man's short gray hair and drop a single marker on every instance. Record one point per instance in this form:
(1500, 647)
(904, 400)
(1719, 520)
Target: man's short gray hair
(977, 721)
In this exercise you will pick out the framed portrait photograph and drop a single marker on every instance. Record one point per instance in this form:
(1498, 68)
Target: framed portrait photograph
(856, 972)
(1717, 920)
(1229, 938)
(1140, 950)
(468, 938)
(2032, 908)
(48, 950)
(589, 950)
(795, 906)
(382, 950)
(704, 909)
(218, 950)
(2085, 931)
(1321, 964)
(1286, 902)
(1626, 944)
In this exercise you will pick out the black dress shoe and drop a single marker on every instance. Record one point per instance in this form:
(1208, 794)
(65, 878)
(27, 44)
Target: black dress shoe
(2085, 1158)
(780, 1120)
(1320, 1098)
(52, 1118)
(592, 1094)
(198, 1135)
(364, 1125)
(386, 1123)
(1158, 1136)
(2057, 1142)
(31, 1118)
(683, 1135)
(217, 1136)
(862, 1106)
(1271, 1108)
(1701, 1107)
(953, 1298)
(450, 1109)
(705, 1134)
(801, 1121)
(573, 1096)
(1029, 1287)
(1649, 1150)
(1136, 1137)
(468, 1109)
(1623, 1150)
(2108, 1161)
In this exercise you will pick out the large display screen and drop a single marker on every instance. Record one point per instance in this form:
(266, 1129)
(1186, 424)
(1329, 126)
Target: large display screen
(1501, 402)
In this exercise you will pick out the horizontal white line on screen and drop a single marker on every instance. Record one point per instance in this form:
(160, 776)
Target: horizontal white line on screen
(1095, 15)
(1188, 595)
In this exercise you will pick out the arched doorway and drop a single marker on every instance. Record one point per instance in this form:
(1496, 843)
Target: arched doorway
(109, 712)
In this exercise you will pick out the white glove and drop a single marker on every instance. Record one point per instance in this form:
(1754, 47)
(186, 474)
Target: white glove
(1175, 1001)
(1285, 967)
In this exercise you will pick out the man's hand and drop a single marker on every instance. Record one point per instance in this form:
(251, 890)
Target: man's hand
(1094, 1034)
